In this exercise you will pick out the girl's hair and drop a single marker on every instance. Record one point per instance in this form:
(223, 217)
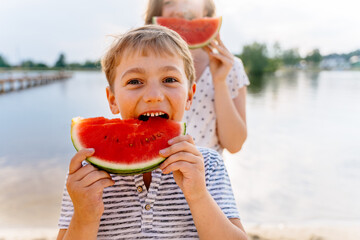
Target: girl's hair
(149, 39)
(154, 9)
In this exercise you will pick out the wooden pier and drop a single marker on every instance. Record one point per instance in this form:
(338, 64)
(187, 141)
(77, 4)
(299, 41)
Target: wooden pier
(20, 83)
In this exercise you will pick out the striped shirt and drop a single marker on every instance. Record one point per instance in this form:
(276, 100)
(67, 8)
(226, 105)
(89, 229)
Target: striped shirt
(161, 212)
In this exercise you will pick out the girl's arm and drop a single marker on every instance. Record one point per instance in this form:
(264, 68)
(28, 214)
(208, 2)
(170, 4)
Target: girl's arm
(230, 117)
(230, 113)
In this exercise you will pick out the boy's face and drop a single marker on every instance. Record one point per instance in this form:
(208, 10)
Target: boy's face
(150, 85)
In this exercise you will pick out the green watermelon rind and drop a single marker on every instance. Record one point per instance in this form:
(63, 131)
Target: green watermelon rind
(114, 168)
(202, 44)
(129, 171)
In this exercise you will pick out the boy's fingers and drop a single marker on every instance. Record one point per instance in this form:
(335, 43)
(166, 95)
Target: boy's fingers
(182, 166)
(102, 183)
(75, 163)
(83, 172)
(182, 146)
(181, 138)
(180, 156)
(93, 177)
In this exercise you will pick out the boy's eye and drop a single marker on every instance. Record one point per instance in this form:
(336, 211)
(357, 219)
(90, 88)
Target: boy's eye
(170, 80)
(133, 82)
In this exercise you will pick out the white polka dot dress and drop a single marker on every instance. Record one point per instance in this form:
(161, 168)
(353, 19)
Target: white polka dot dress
(201, 118)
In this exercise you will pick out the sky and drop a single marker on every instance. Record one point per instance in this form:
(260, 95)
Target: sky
(42, 29)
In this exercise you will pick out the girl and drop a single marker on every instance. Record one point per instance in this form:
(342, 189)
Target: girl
(218, 109)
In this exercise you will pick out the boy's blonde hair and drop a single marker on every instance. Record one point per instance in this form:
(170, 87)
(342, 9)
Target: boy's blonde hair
(154, 9)
(144, 40)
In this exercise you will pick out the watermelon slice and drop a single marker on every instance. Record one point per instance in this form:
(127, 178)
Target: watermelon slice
(126, 147)
(197, 33)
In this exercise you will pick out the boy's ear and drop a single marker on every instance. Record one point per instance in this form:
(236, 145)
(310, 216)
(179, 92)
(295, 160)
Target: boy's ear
(191, 93)
(111, 99)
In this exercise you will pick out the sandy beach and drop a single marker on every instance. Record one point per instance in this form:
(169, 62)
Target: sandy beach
(283, 232)
(255, 232)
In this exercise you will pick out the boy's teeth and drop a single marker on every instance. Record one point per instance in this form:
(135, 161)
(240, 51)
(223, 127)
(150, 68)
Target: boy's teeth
(153, 114)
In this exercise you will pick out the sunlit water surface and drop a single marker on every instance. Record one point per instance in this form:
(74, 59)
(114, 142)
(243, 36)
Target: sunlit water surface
(300, 163)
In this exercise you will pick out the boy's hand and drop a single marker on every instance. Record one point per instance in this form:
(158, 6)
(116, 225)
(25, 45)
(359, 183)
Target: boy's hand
(187, 165)
(85, 186)
(220, 62)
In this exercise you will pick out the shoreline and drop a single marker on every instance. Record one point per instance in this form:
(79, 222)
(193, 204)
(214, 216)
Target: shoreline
(255, 232)
(303, 231)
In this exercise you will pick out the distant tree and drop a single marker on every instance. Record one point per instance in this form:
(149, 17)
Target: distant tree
(255, 58)
(273, 65)
(87, 65)
(291, 57)
(41, 65)
(274, 61)
(275, 51)
(27, 64)
(74, 65)
(92, 65)
(352, 54)
(3, 62)
(60, 63)
(314, 57)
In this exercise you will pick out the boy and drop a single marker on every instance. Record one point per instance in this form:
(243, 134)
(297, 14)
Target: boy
(150, 71)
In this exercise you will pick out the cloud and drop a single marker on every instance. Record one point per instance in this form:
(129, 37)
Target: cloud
(305, 24)
(41, 29)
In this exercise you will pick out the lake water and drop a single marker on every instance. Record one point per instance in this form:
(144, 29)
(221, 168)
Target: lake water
(299, 165)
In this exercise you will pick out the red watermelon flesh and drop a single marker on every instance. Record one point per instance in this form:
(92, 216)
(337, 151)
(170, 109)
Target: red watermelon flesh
(197, 32)
(125, 146)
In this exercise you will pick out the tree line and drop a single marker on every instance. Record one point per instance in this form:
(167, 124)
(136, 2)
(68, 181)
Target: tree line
(258, 59)
(60, 63)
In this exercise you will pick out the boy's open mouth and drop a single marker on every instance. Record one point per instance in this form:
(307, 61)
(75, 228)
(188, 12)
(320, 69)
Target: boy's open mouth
(147, 115)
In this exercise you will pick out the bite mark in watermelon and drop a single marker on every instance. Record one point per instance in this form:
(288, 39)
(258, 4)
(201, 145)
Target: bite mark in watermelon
(125, 147)
(197, 32)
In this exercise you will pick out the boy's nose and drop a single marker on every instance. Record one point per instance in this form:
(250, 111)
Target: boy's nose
(153, 94)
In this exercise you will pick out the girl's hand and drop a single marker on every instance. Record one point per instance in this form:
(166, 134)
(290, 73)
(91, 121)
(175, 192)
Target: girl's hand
(221, 61)
(187, 165)
(85, 186)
